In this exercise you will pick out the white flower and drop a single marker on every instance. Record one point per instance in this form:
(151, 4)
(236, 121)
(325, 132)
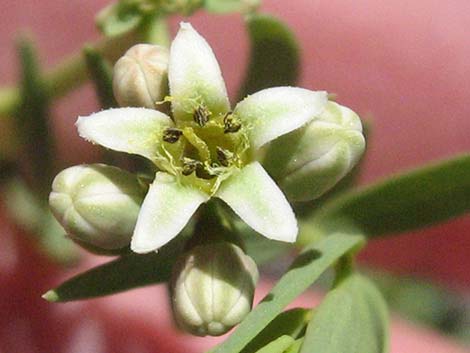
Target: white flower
(205, 150)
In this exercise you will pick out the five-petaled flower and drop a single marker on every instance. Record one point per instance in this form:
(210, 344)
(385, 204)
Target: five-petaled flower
(205, 149)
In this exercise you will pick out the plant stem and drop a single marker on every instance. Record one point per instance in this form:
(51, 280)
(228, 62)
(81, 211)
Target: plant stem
(67, 75)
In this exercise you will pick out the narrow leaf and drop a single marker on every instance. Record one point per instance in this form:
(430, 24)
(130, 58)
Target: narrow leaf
(279, 345)
(36, 219)
(352, 318)
(275, 57)
(33, 119)
(127, 272)
(408, 201)
(312, 262)
(290, 323)
(101, 74)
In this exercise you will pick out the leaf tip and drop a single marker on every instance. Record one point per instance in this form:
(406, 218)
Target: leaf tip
(51, 296)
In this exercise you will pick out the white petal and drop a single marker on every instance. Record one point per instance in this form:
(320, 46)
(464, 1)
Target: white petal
(276, 111)
(167, 208)
(194, 75)
(132, 130)
(254, 196)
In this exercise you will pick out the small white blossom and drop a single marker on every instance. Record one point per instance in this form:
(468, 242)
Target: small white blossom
(205, 149)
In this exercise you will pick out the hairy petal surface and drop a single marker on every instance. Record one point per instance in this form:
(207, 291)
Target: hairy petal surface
(254, 196)
(276, 111)
(132, 130)
(167, 208)
(195, 76)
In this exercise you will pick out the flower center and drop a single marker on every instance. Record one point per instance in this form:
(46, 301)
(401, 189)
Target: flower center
(205, 151)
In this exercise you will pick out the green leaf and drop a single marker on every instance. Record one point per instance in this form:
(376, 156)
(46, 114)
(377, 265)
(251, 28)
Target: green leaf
(37, 220)
(296, 346)
(101, 74)
(290, 323)
(33, 119)
(310, 264)
(411, 200)
(279, 345)
(127, 272)
(353, 318)
(274, 54)
(227, 6)
(119, 18)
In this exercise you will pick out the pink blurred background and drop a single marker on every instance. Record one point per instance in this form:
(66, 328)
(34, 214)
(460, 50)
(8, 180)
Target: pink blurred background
(402, 64)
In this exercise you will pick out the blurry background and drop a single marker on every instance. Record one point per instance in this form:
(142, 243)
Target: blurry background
(402, 65)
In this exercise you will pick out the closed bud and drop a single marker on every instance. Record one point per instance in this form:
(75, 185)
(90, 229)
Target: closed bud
(311, 160)
(212, 288)
(140, 77)
(97, 204)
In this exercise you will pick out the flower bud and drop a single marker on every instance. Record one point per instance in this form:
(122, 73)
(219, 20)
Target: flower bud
(311, 160)
(140, 77)
(212, 288)
(97, 204)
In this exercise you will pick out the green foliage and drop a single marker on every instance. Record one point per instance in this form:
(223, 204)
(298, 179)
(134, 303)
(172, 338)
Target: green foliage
(119, 18)
(312, 262)
(274, 55)
(227, 6)
(352, 318)
(127, 272)
(290, 323)
(33, 119)
(415, 199)
(101, 74)
(24, 207)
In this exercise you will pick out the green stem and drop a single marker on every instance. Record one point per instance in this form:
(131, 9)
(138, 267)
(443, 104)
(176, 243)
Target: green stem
(69, 74)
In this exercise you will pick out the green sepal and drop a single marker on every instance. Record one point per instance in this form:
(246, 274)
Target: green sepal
(310, 264)
(101, 74)
(291, 323)
(415, 199)
(353, 318)
(274, 55)
(127, 272)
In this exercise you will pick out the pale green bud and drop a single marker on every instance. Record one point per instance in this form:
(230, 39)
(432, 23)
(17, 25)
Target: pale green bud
(140, 77)
(97, 204)
(212, 288)
(311, 160)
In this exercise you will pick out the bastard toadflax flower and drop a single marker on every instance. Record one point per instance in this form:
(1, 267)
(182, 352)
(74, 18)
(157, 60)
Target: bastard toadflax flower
(205, 149)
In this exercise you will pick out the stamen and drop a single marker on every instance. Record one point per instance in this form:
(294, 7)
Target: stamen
(171, 135)
(189, 166)
(203, 173)
(201, 115)
(231, 123)
(224, 156)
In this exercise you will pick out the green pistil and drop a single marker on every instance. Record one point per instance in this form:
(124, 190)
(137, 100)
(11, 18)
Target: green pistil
(197, 143)
(204, 152)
